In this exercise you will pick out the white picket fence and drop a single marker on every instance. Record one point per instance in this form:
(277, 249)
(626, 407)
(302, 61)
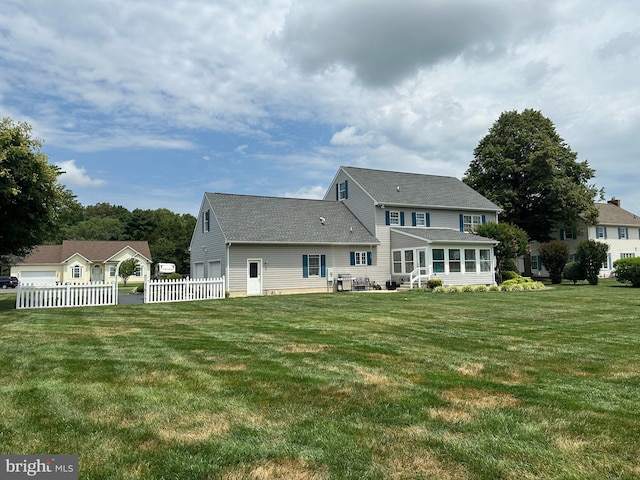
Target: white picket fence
(102, 293)
(184, 290)
(72, 295)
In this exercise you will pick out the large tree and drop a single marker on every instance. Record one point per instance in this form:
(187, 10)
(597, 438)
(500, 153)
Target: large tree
(525, 167)
(29, 195)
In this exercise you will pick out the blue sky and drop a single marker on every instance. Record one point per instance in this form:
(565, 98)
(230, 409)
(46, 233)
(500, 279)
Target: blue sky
(149, 104)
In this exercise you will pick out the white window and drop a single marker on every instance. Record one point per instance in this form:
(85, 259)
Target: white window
(394, 218)
(342, 191)
(76, 271)
(622, 233)
(360, 258)
(438, 260)
(471, 222)
(469, 260)
(397, 261)
(421, 219)
(627, 255)
(314, 265)
(485, 260)
(454, 260)
(535, 262)
(206, 221)
(408, 261)
(570, 235)
(112, 270)
(601, 232)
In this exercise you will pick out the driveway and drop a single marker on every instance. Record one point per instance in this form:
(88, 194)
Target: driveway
(130, 299)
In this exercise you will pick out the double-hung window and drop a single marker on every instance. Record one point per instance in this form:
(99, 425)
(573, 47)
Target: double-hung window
(421, 219)
(342, 191)
(437, 254)
(408, 261)
(397, 261)
(76, 271)
(394, 218)
(454, 260)
(314, 265)
(622, 233)
(601, 232)
(470, 222)
(360, 258)
(485, 260)
(535, 262)
(469, 260)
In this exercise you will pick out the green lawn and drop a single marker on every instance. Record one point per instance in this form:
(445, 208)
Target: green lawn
(521, 385)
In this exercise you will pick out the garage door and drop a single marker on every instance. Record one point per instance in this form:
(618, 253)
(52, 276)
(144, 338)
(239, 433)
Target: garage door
(44, 276)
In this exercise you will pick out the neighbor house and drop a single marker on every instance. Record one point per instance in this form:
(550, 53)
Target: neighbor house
(373, 228)
(82, 261)
(618, 228)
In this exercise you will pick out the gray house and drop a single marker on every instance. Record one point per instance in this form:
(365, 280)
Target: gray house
(372, 229)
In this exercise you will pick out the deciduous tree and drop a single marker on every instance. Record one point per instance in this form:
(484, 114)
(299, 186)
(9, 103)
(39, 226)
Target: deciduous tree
(525, 167)
(30, 196)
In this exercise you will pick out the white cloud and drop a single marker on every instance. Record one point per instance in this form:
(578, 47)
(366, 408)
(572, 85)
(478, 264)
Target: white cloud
(350, 136)
(75, 176)
(315, 192)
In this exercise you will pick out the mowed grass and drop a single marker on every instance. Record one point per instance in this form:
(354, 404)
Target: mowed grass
(520, 385)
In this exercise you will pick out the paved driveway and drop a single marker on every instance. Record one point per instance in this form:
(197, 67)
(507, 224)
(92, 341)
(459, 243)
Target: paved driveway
(130, 299)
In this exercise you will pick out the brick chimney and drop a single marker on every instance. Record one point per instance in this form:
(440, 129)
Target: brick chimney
(614, 201)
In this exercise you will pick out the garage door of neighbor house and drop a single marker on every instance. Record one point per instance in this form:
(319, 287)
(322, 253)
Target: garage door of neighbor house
(45, 276)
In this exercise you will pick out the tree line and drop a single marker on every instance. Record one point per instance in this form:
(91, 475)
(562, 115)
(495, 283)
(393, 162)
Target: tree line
(168, 233)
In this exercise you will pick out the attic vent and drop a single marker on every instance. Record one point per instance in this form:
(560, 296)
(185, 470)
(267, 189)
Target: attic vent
(397, 188)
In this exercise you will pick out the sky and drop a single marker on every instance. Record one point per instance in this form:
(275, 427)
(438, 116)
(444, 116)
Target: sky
(150, 103)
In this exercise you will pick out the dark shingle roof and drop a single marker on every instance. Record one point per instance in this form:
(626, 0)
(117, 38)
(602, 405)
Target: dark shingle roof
(419, 190)
(443, 235)
(255, 219)
(610, 214)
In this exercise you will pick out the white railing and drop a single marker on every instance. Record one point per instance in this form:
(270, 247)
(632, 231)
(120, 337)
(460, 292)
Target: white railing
(71, 295)
(182, 290)
(419, 275)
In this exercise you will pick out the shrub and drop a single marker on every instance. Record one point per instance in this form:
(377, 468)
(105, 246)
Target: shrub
(439, 289)
(494, 288)
(434, 282)
(481, 288)
(509, 275)
(591, 255)
(468, 288)
(140, 289)
(554, 256)
(628, 270)
(453, 289)
(174, 276)
(574, 272)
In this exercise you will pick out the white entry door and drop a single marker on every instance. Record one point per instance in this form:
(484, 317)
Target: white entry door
(254, 277)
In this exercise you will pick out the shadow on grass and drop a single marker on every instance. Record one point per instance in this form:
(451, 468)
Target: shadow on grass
(7, 302)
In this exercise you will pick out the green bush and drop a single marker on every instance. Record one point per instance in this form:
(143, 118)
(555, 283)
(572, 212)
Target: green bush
(434, 282)
(174, 276)
(628, 271)
(468, 288)
(509, 275)
(481, 288)
(140, 289)
(554, 256)
(591, 255)
(574, 272)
